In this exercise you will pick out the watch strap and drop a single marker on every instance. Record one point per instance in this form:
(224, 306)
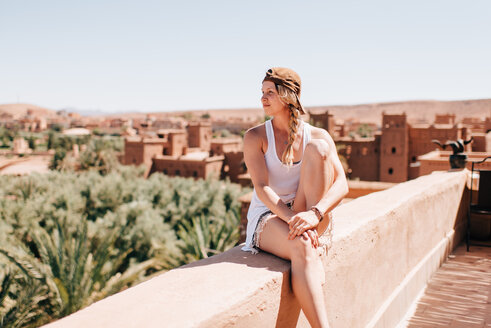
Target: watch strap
(317, 212)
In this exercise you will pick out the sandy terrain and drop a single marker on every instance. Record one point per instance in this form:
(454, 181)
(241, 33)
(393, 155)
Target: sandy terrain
(31, 164)
(19, 110)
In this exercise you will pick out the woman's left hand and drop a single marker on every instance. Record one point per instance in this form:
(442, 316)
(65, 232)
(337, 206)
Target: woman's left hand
(313, 236)
(301, 222)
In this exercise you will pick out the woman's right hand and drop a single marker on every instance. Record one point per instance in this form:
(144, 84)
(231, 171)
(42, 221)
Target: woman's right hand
(301, 222)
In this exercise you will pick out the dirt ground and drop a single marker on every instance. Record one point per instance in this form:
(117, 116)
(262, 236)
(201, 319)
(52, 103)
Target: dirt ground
(26, 165)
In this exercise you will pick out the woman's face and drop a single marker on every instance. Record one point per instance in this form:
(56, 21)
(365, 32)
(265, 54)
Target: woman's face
(271, 101)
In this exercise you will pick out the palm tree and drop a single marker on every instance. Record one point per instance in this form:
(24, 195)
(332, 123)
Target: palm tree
(98, 156)
(77, 271)
(204, 237)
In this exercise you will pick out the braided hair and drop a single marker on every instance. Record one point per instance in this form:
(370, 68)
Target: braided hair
(288, 97)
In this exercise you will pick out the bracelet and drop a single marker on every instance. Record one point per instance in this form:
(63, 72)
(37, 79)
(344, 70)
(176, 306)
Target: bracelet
(317, 212)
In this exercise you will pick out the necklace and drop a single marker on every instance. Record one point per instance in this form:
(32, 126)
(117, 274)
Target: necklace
(298, 133)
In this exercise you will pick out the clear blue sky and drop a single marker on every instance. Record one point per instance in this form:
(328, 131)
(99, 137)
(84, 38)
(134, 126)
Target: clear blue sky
(176, 55)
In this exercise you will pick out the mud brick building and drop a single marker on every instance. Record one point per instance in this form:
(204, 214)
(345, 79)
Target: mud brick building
(392, 154)
(189, 152)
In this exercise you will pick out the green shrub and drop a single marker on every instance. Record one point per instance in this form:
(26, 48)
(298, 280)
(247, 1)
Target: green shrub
(68, 239)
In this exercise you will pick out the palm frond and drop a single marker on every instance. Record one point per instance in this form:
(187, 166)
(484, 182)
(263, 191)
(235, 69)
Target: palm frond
(25, 265)
(6, 283)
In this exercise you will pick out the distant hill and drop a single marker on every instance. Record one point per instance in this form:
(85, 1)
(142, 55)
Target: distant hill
(248, 115)
(19, 110)
(416, 111)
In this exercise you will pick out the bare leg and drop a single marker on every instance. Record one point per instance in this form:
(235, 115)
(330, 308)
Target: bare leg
(316, 177)
(307, 271)
(305, 282)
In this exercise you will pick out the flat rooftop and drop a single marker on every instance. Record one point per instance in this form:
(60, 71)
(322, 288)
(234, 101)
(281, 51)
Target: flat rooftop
(459, 293)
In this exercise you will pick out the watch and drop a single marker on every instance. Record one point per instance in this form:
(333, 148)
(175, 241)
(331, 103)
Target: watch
(317, 212)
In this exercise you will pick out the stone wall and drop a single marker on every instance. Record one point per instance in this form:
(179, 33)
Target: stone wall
(385, 247)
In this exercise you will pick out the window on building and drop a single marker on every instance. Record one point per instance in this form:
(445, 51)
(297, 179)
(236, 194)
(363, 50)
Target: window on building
(166, 151)
(243, 167)
(413, 158)
(391, 171)
(195, 174)
(393, 150)
(177, 172)
(165, 171)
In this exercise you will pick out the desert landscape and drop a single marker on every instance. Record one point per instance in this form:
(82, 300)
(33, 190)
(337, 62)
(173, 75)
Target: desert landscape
(417, 111)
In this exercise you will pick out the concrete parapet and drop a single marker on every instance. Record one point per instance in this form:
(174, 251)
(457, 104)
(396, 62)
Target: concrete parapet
(385, 247)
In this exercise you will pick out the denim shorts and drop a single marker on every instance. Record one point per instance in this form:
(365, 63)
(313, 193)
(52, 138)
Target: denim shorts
(325, 240)
(261, 222)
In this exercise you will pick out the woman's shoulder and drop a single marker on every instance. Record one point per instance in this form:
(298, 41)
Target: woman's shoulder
(318, 133)
(258, 131)
(256, 138)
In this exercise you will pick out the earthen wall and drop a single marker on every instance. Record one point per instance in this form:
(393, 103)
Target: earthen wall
(363, 157)
(394, 145)
(233, 165)
(402, 234)
(199, 135)
(172, 166)
(445, 119)
(177, 144)
(133, 152)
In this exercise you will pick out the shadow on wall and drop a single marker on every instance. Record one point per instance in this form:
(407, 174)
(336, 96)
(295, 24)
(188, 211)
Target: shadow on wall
(289, 308)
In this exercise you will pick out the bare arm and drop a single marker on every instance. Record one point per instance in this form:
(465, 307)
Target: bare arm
(304, 221)
(256, 166)
(339, 188)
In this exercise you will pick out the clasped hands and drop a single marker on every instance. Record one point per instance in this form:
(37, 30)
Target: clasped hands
(304, 224)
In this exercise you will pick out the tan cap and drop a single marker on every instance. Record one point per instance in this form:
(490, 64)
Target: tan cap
(287, 78)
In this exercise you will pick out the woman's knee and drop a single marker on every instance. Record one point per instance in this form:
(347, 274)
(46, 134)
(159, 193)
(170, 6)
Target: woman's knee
(301, 248)
(317, 148)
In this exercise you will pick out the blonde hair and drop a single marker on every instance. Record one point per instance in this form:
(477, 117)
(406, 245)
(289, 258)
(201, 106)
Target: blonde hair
(289, 98)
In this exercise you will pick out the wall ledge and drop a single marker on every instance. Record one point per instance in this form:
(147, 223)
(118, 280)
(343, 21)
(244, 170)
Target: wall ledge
(385, 246)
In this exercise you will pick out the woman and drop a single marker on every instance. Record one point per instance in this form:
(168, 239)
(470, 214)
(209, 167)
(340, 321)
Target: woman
(298, 180)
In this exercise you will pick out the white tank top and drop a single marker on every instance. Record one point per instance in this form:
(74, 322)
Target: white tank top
(282, 179)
